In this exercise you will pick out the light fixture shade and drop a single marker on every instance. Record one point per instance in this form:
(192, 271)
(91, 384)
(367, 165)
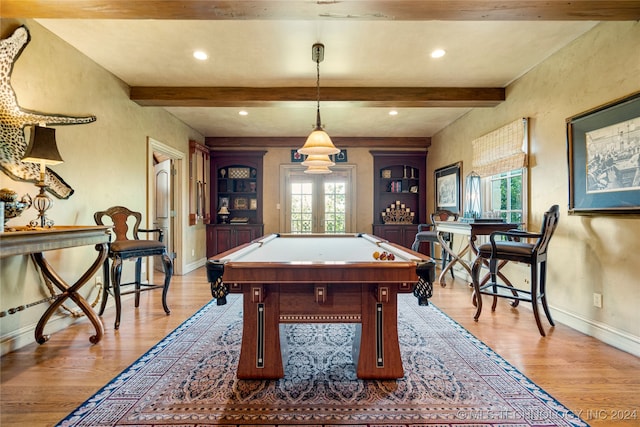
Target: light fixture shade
(317, 170)
(318, 160)
(472, 196)
(42, 147)
(318, 142)
(223, 211)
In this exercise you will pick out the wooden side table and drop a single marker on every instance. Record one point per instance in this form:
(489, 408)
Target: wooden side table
(34, 242)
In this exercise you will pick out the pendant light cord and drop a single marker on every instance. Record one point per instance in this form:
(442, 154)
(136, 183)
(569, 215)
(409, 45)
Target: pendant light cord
(318, 121)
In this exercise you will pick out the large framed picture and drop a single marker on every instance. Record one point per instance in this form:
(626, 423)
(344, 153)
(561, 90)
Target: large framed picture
(448, 191)
(604, 159)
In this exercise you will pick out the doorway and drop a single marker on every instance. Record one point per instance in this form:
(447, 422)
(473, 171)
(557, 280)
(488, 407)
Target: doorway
(164, 198)
(317, 203)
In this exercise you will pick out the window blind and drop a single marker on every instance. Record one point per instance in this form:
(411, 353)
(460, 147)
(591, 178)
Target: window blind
(501, 150)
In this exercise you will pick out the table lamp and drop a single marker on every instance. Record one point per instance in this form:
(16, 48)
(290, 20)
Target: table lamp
(224, 214)
(42, 149)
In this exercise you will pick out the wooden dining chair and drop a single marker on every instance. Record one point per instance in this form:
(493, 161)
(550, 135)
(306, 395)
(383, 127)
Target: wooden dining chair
(520, 246)
(127, 244)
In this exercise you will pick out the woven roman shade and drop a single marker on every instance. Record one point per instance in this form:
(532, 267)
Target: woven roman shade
(501, 150)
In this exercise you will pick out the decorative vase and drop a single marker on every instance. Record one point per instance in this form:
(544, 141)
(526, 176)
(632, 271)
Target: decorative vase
(13, 207)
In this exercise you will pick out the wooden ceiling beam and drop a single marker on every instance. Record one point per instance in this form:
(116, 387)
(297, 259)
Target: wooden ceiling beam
(398, 10)
(342, 142)
(406, 97)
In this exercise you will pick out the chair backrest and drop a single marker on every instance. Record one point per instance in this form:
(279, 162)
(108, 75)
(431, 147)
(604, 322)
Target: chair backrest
(123, 221)
(549, 224)
(443, 215)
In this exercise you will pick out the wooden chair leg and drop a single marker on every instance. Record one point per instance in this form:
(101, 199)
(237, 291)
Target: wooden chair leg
(138, 281)
(106, 286)
(116, 274)
(168, 272)
(543, 291)
(534, 298)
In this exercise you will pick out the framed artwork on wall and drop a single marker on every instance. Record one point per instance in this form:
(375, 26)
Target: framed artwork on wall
(448, 189)
(604, 159)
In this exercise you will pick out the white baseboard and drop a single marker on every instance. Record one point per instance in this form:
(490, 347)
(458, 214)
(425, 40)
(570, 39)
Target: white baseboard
(188, 268)
(614, 337)
(601, 331)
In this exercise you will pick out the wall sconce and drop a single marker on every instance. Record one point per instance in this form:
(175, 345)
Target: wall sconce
(42, 149)
(472, 196)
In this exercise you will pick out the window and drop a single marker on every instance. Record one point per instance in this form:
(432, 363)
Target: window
(500, 157)
(316, 203)
(335, 205)
(505, 195)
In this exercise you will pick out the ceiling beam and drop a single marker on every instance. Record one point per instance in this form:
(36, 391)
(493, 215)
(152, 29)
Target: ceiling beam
(400, 10)
(407, 97)
(342, 142)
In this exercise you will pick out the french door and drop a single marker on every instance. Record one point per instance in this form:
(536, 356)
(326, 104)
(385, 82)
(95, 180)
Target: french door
(317, 203)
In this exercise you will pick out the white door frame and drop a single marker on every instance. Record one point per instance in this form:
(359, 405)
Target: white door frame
(352, 194)
(179, 182)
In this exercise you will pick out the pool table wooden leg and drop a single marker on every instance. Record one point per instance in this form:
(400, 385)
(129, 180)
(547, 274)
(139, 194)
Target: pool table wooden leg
(260, 355)
(379, 356)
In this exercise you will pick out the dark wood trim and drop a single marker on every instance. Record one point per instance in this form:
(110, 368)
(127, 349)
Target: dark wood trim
(359, 96)
(397, 10)
(296, 142)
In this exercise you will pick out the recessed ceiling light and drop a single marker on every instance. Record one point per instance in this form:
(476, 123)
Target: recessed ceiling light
(393, 113)
(438, 53)
(198, 54)
(243, 113)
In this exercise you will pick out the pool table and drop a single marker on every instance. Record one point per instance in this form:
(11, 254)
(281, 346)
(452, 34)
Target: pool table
(303, 278)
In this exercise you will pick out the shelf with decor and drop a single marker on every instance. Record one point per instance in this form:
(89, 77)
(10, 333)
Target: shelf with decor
(399, 198)
(236, 199)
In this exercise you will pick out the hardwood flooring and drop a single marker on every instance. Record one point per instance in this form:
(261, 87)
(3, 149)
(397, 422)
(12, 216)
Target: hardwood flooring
(41, 384)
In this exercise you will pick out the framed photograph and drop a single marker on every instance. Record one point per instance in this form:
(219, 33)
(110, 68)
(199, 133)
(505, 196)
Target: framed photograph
(240, 203)
(253, 204)
(448, 189)
(604, 159)
(223, 201)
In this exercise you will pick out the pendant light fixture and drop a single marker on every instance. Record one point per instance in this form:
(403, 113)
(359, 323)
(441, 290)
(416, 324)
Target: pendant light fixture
(318, 142)
(317, 164)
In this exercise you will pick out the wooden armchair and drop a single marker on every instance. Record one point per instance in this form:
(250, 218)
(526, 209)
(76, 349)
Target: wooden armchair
(427, 233)
(515, 249)
(127, 244)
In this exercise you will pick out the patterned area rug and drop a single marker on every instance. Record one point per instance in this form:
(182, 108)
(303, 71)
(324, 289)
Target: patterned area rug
(451, 379)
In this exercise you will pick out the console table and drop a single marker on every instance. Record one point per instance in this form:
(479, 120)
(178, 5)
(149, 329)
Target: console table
(34, 242)
(472, 230)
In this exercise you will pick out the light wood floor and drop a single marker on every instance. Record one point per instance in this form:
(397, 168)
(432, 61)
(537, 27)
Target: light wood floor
(41, 384)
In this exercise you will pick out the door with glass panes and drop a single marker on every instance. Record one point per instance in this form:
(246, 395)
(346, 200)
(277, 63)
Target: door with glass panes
(318, 203)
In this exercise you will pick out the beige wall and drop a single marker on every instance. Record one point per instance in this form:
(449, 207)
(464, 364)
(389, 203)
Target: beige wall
(105, 162)
(588, 254)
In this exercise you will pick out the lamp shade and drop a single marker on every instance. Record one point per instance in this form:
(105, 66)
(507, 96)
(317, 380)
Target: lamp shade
(224, 211)
(318, 160)
(42, 147)
(318, 142)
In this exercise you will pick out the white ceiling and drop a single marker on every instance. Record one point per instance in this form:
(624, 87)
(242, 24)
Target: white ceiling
(277, 53)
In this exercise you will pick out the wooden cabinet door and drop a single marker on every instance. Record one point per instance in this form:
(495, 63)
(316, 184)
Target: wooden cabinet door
(224, 238)
(244, 235)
